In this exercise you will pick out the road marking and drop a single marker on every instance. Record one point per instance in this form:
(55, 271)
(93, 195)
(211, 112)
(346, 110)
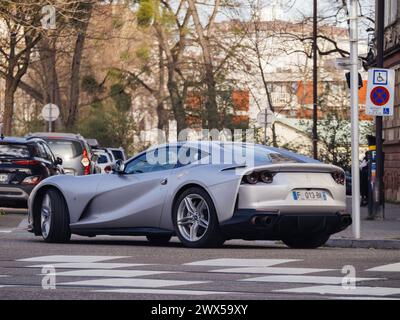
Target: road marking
(306, 279)
(393, 267)
(109, 273)
(66, 258)
(165, 291)
(240, 262)
(6, 231)
(89, 265)
(364, 298)
(339, 290)
(126, 283)
(272, 270)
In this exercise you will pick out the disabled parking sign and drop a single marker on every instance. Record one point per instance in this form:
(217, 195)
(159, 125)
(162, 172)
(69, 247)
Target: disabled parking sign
(380, 92)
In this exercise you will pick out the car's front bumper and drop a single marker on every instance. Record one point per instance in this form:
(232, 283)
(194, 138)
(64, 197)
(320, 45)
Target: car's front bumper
(250, 224)
(14, 196)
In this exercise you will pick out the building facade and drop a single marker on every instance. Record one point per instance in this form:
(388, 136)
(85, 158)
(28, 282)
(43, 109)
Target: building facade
(391, 125)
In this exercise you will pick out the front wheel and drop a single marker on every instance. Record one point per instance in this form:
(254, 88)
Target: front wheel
(54, 218)
(195, 220)
(310, 242)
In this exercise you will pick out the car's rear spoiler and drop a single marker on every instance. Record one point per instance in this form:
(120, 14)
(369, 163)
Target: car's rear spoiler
(296, 167)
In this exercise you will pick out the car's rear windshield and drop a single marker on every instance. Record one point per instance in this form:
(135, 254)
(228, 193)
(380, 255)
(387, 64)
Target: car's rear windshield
(118, 155)
(14, 150)
(103, 158)
(66, 149)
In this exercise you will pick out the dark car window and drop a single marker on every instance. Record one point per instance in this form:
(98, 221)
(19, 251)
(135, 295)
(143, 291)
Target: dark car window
(118, 155)
(50, 155)
(102, 159)
(14, 150)
(66, 149)
(153, 161)
(39, 151)
(188, 155)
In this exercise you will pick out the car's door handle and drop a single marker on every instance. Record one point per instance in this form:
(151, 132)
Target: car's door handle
(164, 182)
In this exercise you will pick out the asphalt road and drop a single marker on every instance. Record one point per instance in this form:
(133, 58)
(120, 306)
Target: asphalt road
(130, 268)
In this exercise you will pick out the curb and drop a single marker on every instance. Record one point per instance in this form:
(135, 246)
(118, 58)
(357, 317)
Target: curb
(364, 243)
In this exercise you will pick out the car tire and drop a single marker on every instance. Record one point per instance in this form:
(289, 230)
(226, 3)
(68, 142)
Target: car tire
(54, 218)
(311, 242)
(203, 237)
(158, 239)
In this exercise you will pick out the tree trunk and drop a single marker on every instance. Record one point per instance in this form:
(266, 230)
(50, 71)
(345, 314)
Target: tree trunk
(8, 107)
(178, 107)
(211, 99)
(74, 85)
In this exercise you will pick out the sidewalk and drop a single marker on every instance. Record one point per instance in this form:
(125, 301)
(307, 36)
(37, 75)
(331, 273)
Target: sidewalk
(379, 234)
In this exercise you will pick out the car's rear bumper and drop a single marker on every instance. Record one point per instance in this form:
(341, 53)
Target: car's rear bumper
(14, 196)
(250, 224)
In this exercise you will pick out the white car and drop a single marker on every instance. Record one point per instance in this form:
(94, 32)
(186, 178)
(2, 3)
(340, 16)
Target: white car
(104, 160)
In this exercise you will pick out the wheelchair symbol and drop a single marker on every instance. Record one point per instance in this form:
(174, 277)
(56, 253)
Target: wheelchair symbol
(380, 77)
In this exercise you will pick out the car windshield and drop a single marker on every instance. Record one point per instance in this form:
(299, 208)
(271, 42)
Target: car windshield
(66, 149)
(14, 151)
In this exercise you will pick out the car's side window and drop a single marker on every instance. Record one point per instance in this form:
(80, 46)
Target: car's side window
(153, 161)
(188, 155)
(50, 155)
(39, 151)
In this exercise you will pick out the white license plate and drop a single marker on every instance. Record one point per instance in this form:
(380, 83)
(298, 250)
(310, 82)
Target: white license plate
(309, 195)
(3, 178)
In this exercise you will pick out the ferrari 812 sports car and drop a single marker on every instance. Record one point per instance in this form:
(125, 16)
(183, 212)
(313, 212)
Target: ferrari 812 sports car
(202, 192)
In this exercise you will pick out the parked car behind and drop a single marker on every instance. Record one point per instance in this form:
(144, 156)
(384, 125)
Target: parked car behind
(72, 149)
(23, 164)
(104, 160)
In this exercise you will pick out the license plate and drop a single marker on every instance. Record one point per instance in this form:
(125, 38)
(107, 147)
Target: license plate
(3, 178)
(309, 195)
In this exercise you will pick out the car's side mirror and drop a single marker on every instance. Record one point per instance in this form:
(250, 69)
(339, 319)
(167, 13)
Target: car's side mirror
(119, 167)
(58, 161)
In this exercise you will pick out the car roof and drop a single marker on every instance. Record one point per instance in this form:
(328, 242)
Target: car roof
(19, 140)
(56, 135)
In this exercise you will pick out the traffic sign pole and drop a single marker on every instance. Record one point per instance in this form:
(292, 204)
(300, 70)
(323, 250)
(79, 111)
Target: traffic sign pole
(355, 167)
(378, 124)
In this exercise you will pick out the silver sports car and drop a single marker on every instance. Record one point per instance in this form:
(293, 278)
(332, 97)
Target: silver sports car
(202, 192)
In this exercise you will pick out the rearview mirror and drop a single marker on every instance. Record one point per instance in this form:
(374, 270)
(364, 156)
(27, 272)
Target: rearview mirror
(119, 167)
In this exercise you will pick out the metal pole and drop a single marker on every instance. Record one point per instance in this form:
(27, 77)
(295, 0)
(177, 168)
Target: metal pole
(378, 124)
(50, 124)
(355, 166)
(315, 82)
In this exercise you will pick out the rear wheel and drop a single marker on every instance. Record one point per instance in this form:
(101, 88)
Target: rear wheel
(158, 239)
(54, 218)
(195, 219)
(310, 242)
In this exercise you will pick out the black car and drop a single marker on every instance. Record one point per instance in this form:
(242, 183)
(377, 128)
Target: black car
(23, 164)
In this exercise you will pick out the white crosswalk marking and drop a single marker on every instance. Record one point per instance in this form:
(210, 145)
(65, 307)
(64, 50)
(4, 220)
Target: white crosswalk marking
(305, 279)
(106, 274)
(126, 283)
(240, 262)
(66, 258)
(271, 270)
(109, 273)
(393, 267)
(339, 290)
(166, 291)
(89, 265)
